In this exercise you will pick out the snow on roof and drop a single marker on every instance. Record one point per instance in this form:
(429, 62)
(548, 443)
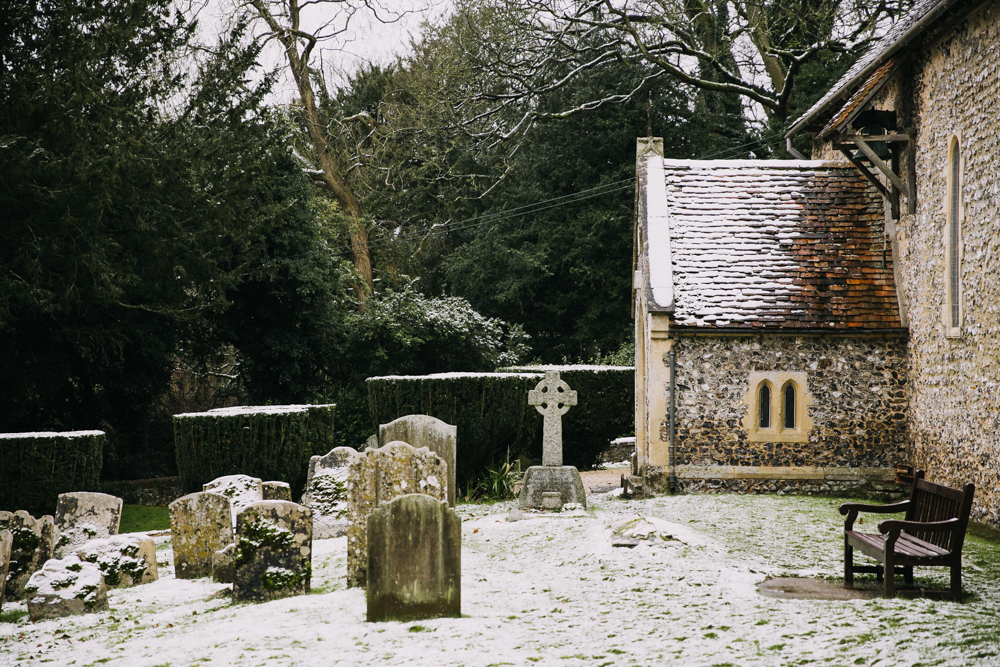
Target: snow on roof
(767, 244)
(49, 434)
(452, 376)
(253, 410)
(572, 367)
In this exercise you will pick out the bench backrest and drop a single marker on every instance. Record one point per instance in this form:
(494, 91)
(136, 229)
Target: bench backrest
(936, 502)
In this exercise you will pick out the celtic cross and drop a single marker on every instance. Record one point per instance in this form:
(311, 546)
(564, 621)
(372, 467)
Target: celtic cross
(552, 398)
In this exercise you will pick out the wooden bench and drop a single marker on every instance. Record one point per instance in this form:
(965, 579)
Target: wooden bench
(931, 535)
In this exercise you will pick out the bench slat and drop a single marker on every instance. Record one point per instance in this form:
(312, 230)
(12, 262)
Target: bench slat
(906, 545)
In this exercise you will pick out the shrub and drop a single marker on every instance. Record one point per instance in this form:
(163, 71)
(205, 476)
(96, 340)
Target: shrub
(36, 467)
(271, 442)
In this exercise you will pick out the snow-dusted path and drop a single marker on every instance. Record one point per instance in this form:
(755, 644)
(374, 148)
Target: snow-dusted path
(555, 592)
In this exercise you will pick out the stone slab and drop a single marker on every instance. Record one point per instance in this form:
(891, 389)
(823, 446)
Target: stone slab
(83, 516)
(34, 543)
(276, 491)
(540, 479)
(65, 587)
(326, 492)
(200, 525)
(241, 490)
(426, 431)
(273, 555)
(124, 560)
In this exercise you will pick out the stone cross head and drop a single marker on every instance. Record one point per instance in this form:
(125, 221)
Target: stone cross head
(552, 398)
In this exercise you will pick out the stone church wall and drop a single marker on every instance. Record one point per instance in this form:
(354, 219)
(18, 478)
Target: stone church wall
(955, 381)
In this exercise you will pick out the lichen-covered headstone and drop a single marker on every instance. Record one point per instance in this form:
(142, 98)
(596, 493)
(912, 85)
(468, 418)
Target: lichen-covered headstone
(380, 475)
(277, 491)
(124, 560)
(241, 490)
(414, 560)
(200, 525)
(426, 431)
(6, 542)
(222, 564)
(83, 516)
(64, 587)
(34, 543)
(273, 556)
(326, 492)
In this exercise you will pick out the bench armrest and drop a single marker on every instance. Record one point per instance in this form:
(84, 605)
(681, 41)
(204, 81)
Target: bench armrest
(850, 510)
(895, 526)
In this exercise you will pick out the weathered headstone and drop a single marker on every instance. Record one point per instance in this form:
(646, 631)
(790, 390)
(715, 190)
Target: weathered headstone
(277, 491)
(34, 543)
(426, 431)
(64, 587)
(200, 525)
(6, 542)
(124, 560)
(222, 564)
(326, 492)
(414, 560)
(241, 490)
(273, 555)
(380, 475)
(83, 516)
(552, 398)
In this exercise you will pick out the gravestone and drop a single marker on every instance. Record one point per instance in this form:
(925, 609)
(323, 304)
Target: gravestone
(6, 542)
(241, 490)
(124, 560)
(414, 560)
(200, 525)
(326, 492)
(276, 491)
(222, 564)
(552, 398)
(273, 555)
(65, 587)
(34, 542)
(83, 516)
(380, 475)
(426, 431)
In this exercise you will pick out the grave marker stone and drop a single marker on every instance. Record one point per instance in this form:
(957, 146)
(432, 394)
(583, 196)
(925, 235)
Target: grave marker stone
(64, 587)
(222, 564)
(83, 516)
(241, 490)
(6, 542)
(380, 475)
(426, 431)
(273, 555)
(326, 492)
(124, 560)
(414, 560)
(34, 542)
(277, 491)
(552, 398)
(200, 525)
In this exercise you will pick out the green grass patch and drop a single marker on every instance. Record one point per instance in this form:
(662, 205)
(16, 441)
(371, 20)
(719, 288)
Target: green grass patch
(13, 616)
(139, 518)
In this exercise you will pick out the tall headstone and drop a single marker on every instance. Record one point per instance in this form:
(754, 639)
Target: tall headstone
(200, 525)
(552, 398)
(83, 516)
(124, 560)
(380, 475)
(241, 490)
(277, 491)
(64, 587)
(6, 542)
(426, 431)
(414, 560)
(34, 542)
(273, 555)
(326, 492)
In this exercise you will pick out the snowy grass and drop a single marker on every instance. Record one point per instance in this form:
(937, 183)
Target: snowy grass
(555, 592)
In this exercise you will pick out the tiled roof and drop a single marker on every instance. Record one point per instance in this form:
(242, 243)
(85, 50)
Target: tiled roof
(767, 245)
(899, 35)
(861, 97)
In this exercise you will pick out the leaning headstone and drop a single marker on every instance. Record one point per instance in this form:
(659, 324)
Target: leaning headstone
(6, 542)
(414, 560)
(34, 542)
(222, 564)
(273, 556)
(64, 587)
(200, 525)
(241, 490)
(378, 476)
(124, 560)
(426, 431)
(326, 492)
(83, 516)
(552, 398)
(277, 491)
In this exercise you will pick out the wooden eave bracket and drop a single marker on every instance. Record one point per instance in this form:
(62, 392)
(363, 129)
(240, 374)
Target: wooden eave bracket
(843, 143)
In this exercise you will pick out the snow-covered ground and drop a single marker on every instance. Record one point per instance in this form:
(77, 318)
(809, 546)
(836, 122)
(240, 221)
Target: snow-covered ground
(555, 592)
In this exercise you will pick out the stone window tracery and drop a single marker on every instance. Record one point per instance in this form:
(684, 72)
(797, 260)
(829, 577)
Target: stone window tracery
(952, 314)
(777, 415)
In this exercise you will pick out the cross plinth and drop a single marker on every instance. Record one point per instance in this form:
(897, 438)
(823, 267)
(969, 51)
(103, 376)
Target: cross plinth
(552, 398)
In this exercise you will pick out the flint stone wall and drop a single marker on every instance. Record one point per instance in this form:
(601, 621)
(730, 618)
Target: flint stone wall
(200, 525)
(380, 475)
(273, 555)
(34, 543)
(82, 516)
(859, 407)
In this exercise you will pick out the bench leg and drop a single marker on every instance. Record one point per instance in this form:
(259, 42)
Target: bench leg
(956, 582)
(848, 565)
(889, 585)
(908, 574)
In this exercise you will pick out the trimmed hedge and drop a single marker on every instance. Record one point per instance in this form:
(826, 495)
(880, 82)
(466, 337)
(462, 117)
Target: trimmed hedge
(493, 417)
(36, 467)
(272, 442)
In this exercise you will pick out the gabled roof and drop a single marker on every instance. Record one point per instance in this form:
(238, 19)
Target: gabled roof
(913, 24)
(777, 244)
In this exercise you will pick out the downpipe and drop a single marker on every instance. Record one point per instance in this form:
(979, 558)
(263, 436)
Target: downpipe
(672, 486)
